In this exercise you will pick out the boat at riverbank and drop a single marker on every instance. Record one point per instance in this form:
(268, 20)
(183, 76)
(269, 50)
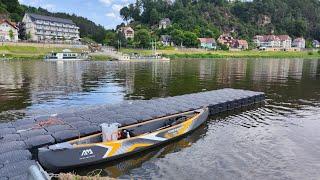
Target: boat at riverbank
(136, 57)
(132, 139)
(66, 55)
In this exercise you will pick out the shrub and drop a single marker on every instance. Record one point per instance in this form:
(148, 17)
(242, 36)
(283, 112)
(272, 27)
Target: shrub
(310, 53)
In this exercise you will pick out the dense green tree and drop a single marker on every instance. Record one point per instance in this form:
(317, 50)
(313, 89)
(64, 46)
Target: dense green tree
(190, 39)
(154, 17)
(110, 38)
(177, 37)
(210, 18)
(125, 13)
(142, 38)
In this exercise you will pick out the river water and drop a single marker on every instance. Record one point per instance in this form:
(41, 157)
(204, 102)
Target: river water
(280, 140)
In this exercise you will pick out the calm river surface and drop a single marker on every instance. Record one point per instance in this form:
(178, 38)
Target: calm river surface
(278, 141)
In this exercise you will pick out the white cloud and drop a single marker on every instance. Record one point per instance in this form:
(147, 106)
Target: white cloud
(111, 15)
(50, 7)
(106, 2)
(117, 7)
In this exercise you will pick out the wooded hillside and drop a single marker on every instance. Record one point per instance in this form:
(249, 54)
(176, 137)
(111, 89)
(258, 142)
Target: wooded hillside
(243, 19)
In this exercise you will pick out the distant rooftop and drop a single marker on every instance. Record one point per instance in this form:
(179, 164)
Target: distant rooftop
(50, 18)
(207, 40)
(9, 22)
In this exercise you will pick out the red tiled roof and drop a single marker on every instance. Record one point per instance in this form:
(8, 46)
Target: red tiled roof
(242, 42)
(10, 23)
(284, 37)
(206, 40)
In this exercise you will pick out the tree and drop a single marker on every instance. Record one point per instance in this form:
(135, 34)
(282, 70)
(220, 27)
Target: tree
(154, 17)
(125, 13)
(142, 38)
(11, 35)
(246, 18)
(121, 40)
(190, 39)
(110, 39)
(29, 36)
(134, 11)
(177, 37)
(22, 31)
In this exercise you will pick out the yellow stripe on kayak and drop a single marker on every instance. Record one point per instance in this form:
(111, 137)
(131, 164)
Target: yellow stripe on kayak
(133, 147)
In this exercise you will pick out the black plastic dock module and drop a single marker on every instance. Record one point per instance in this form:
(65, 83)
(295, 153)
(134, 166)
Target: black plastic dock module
(19, 138)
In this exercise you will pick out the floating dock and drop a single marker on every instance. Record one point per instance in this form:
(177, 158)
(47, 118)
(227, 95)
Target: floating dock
(20, 138)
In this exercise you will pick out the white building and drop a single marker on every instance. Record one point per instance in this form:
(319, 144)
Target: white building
(273, 41)
(299, 43)
(50, 28)
(267, 41)
(164, 23)
(285, 41)
(8, 31)
(127, 31)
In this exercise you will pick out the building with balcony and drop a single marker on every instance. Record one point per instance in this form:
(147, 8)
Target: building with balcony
(8, 31)
(273, 41)
(44, 28)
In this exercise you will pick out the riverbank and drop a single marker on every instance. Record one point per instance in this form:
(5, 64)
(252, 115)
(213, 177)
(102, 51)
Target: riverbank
(29, 52)
(100, 57)
(198, 53)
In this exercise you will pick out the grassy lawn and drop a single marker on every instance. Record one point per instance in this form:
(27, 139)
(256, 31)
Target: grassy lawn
(174, 54)
(28, 52)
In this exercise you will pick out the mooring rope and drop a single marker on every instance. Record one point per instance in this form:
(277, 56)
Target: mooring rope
(49, 122)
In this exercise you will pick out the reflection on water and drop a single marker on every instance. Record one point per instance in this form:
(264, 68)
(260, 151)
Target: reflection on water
(277, 141)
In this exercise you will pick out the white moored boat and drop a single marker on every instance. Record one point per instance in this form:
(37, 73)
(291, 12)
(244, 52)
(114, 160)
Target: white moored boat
(66, 55)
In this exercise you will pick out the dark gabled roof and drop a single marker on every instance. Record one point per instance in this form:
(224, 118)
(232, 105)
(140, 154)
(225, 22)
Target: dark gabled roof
(50, 18)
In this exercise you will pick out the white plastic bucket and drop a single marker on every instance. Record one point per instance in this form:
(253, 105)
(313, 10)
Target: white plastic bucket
(109, 132)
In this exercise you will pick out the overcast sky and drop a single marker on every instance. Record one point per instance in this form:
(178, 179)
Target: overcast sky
(104, 12)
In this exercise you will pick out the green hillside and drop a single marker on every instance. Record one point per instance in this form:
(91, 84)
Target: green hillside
(209, 18)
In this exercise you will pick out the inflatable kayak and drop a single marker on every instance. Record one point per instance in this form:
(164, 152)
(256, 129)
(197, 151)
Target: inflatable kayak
(131, 139)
